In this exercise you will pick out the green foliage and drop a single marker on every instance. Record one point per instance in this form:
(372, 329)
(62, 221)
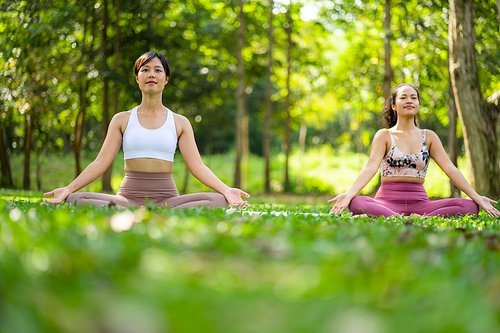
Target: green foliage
(53, 67)
(161, 270)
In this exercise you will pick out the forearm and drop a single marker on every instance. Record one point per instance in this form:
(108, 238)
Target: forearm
(363, 179)
(93, 171)
(208, 178)
(461, 183)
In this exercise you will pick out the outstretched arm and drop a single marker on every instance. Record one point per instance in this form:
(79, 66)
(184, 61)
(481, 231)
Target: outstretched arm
(191, 155)
(95, 169)
(438, 154)
(377, 153)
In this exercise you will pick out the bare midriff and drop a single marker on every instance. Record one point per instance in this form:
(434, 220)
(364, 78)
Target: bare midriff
(402, 179)
(148, 165)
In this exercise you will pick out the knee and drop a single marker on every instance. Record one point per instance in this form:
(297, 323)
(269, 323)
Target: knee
(219, 200)
(357, 204)
(358, 201)
(471, 206)
(72, 199)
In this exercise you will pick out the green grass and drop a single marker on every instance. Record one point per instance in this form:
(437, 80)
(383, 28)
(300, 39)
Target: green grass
(67, 270)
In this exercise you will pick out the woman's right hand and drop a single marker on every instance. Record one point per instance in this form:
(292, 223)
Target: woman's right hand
(59, 195)
(234, 197)
(342, 201)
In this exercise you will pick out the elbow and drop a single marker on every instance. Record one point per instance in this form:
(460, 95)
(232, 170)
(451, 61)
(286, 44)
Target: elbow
(197, 168)
(372, 170)
(451, 170)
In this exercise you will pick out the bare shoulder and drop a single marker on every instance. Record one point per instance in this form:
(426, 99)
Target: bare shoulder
(382, 135)
(120, 120)
(180, 120)
(431, 137)
(122, 116)
(430, 133)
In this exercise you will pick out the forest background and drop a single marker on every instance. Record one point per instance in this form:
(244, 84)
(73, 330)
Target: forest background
(283, 96)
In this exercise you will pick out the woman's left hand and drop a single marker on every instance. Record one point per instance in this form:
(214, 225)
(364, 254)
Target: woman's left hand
(486, 204)
(233, 196)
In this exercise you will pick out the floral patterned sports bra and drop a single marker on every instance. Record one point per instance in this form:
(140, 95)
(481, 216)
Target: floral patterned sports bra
(398, 164)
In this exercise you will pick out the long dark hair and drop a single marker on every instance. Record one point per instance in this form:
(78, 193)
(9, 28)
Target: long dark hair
(390, 115)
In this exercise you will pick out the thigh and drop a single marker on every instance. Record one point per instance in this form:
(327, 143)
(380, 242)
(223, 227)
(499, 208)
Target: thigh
(84, 199)
(195, 200)
(448, 207)
(366, 205)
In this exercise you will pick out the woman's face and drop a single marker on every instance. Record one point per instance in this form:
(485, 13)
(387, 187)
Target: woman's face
(151, 77)
(406, 102)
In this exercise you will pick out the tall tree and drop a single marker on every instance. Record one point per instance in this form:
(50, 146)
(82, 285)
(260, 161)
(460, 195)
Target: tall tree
(116, 89)
(6, 175)
(387, 50)
(86, 57)
(106, 177)
(287, 185)
(479, 118)
(498, 11)
(452, 136)
(266, 148)
(240, 102)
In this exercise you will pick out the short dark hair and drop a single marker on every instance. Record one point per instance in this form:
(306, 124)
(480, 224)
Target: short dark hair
(147, 57)
(390, 116)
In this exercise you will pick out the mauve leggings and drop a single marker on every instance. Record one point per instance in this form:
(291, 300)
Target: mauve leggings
(395, 197)
(155, 187)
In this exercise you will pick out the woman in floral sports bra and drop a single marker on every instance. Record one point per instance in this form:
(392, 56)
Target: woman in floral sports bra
(402, 151)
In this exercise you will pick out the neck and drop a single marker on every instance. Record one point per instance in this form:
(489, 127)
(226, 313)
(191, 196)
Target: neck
(405, 124)
(151, 102)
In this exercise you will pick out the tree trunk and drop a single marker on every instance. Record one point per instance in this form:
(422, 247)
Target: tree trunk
(106, 177)
(266, 149)
(389, 74)
(452, 136)
(245, 145)
(38, 169)
(287, 185)
(240, 98)
(387, 49)
(6, 177)
(302, 150)
(116, 90)
(498, 11)
(28, 130)
(83, 89)
(479, 127)
(80, 123)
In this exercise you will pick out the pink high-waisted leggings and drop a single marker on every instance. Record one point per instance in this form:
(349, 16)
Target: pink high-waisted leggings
(396, 197)
(155, 187)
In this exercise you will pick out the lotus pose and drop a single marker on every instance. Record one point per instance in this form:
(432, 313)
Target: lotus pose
(402, 151)
(150, 133)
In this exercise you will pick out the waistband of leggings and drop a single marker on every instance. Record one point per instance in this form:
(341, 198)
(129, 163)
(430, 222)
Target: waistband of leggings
(402, 186)
(401, 191)
(148, 175)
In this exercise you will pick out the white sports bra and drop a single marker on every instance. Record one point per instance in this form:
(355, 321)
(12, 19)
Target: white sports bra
(140, 142)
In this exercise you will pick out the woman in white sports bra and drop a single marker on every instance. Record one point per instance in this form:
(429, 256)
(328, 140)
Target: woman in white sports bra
(402, 152)
(150, 134)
